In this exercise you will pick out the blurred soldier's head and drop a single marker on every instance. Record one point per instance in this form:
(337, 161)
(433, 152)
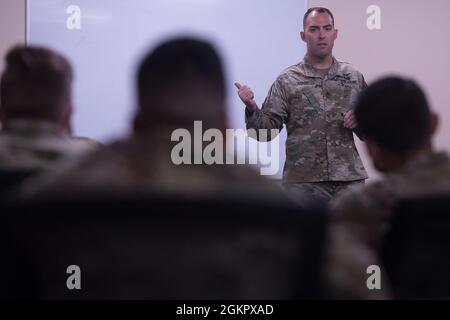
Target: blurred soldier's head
(181, 81)
(319, 32)
(394, 116)
(36, 84)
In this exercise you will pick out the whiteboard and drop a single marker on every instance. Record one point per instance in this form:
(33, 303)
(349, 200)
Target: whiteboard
(256, 39)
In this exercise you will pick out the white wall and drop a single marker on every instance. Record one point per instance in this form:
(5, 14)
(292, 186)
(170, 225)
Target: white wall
(12, 25)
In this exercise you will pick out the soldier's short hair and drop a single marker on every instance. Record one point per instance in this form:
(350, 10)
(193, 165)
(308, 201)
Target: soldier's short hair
(36, 83)
(319, 10)
(180, 60)
(394, 113)
(173, 68)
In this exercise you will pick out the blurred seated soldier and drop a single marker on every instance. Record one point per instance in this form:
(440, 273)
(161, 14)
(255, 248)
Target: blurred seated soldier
(394, 116)
(180, 82)
(35, 111)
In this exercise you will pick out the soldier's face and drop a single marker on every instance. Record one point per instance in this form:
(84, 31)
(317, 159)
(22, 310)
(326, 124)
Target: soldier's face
(319, 34)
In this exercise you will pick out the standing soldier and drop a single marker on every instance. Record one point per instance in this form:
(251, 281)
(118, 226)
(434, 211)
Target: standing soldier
(314, 99)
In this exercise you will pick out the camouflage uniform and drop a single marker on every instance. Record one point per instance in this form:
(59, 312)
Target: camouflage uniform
(143, 164)
(36, 145)
(318, 148)
(360, 218)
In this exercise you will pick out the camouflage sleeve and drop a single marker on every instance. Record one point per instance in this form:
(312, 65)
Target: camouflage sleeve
(349, 210)
(364, 210)
(273, 113)
(349, 251)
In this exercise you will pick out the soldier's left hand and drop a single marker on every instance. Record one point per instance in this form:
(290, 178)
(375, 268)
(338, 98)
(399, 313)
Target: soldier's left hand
(349, 120)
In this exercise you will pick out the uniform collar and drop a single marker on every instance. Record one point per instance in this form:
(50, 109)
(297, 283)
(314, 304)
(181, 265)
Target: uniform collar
(310, 71)
(429, 159)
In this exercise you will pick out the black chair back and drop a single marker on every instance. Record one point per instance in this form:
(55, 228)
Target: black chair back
(162, 247)
(10, 179)
(416, 252)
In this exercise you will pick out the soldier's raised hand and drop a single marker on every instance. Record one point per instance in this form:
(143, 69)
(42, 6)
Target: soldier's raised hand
(247, 96)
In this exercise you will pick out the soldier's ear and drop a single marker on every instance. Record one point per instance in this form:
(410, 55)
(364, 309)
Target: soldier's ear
(372, 149)
(302, 36)
(434, 118)
(335, 33)
(66, 119)
(377, 155)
